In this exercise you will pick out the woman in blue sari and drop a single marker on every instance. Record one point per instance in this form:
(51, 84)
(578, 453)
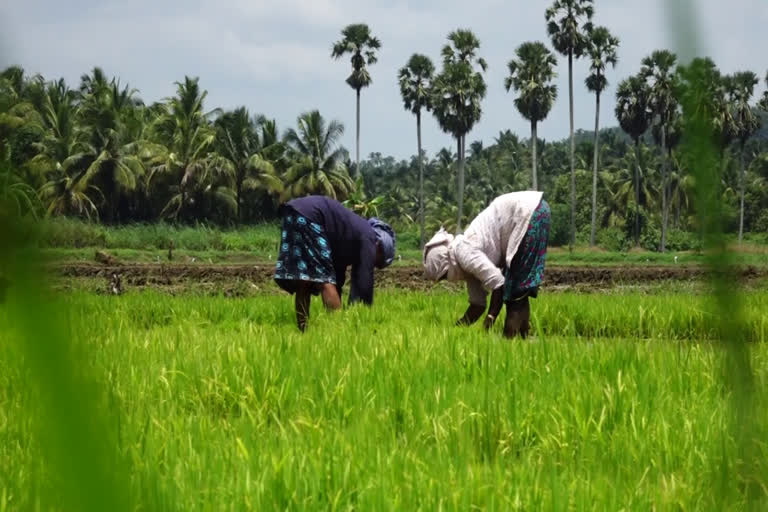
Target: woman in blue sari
(320, 238)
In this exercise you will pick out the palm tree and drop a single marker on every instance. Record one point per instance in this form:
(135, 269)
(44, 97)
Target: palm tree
(14, 190)
(702, 85)
(746, 123)
(707, 117)
(64, 190)
(614, 209)
(20, 102)
(510, 156)
(62, 156)
(400, 203)
(415, 84)
(531, 75)
(16, 89)
(601, 49)
(317, 160)
(141, 126)
(634, 116)
(59, 118)
(106, 151)
(681, 188)
(723, 92)
(620, 181)
(68, 192)
(60, 134)
(244, 153)
(673, 172)
(763, 103)
(12, 82)
(271, 153)
(185, 137)
(93, 84)
(618, 186)
(358, 202)
(456, 95)
(658, 70)
(357, 41)
(567, 23)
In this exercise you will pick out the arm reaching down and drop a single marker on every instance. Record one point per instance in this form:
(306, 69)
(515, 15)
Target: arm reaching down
(474, 262)
(362, 275)
(482, 275)
(497, 299)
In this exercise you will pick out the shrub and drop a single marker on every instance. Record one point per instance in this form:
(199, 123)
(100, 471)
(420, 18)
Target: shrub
(613, 239)
(409, 239)
(650, 238)
(559, 229)
(761, 224)
(64, 232)
(679, 240)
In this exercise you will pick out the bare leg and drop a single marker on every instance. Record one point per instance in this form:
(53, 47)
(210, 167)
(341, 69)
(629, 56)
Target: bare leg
(518, 318)
(303, 297)
(330, 295)
(472, 315)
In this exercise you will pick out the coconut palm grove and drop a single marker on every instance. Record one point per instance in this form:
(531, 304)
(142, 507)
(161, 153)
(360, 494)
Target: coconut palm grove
(94, 150)
(150, 358)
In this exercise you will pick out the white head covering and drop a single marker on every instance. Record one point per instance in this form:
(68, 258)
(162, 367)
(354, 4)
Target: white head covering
(438, 258)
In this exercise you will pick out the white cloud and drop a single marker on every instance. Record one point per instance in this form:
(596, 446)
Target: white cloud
(323, 13)
(274, 55)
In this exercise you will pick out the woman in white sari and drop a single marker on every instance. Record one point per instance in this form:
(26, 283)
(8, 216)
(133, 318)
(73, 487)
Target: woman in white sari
(503, 251)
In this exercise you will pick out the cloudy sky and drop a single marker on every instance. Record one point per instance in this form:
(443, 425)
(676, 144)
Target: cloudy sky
(273, 55)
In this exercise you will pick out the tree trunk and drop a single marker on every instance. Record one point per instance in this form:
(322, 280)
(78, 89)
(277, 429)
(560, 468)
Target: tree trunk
(180, 213)
(678, 202)
(675, 203)
(678, 205)
(664, 208)
(594, 169)
(573, 150)
(741, 192)
(533, 155)
(357, 138)
(112, 198)
(637, 191)
(115, 205)
(460, 147)
(421, 180)
(238, 193)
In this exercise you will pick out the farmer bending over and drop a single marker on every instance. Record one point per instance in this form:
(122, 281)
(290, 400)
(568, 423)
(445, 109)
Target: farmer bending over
(320, 239)
(503, 251)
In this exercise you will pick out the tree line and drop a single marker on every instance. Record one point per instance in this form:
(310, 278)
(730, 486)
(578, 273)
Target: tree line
(97, 151)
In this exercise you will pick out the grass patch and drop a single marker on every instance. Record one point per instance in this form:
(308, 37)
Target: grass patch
(221, 404)
(74, 240)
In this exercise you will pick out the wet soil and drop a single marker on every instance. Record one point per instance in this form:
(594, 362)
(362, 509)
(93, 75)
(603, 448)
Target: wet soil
(260, 275)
